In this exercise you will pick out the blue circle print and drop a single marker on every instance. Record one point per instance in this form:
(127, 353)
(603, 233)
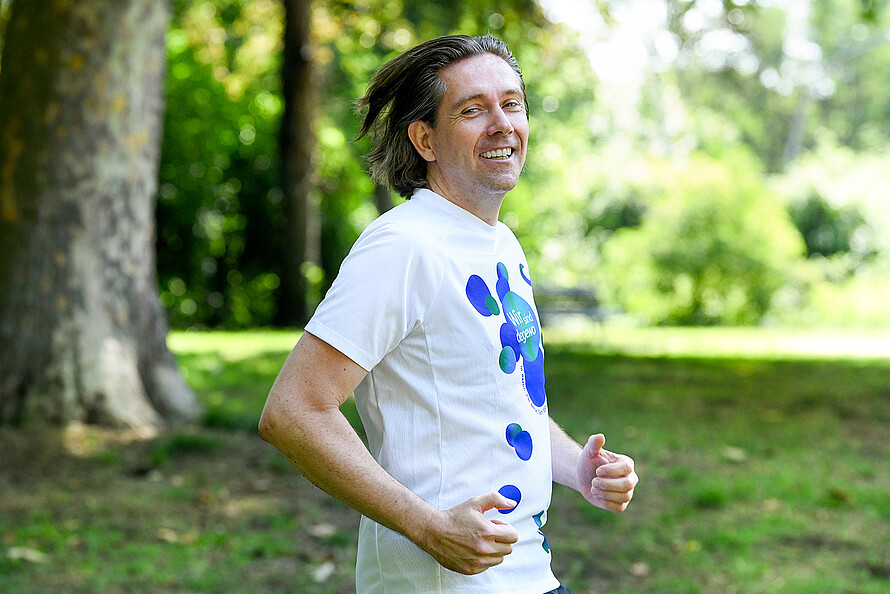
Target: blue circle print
(520, 440)
(523, 445)
(507, 359)
(534, 379)
(480, 297)
(510, 492)
(513, 429)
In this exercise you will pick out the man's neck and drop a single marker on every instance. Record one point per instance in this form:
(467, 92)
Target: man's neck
(484, 205)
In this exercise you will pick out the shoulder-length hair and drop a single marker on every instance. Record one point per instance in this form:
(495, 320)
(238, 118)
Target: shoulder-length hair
(407, 89)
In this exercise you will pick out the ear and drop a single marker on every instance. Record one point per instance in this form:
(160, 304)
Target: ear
(419, 133)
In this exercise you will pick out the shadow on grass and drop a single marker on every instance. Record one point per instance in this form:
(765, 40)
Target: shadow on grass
(196, 509)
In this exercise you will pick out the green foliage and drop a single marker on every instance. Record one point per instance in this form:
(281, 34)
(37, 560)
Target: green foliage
(220, 206)
(838, 196)
(713, 248)
(844, 193)
(870, 10)
(220, 219)
(4, 18)
(220, 214)
(590, 190)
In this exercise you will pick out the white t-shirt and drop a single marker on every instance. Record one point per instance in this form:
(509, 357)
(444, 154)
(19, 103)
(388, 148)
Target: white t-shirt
(438, 306)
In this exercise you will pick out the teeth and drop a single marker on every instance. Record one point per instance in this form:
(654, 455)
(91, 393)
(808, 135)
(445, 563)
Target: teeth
(498, 153)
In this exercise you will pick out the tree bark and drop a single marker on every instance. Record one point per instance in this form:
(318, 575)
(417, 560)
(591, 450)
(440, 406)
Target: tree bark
(82, 331)
(796, 128)
(297, 146)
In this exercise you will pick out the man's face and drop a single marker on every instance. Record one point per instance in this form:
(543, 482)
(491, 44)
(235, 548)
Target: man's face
(480, 139)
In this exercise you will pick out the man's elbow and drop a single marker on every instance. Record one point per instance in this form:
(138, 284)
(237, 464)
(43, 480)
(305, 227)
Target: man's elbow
(268, 425)
(265, 427)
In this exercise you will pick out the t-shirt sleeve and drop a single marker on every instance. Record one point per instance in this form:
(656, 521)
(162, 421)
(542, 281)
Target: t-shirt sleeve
(382, 292)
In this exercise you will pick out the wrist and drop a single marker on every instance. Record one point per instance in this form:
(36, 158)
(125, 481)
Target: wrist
(567, 467)
(420, 525)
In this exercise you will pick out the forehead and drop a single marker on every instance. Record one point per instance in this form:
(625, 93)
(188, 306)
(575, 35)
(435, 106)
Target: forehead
(479, 75)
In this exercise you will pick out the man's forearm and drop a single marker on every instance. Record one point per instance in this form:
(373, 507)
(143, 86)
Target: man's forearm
(564, 453)
(302, 419)
(327, 451)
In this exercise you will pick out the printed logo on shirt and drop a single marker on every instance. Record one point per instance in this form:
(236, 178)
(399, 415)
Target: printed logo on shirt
(520, 334)
(520, 337)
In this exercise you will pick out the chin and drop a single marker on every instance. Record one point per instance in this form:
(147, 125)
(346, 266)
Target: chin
(501, 183)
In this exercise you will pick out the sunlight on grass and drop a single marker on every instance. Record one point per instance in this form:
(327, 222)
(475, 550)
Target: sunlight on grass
(758, 343)
(233, 345)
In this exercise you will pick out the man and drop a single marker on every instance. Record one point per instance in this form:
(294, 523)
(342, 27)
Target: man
(431, 323)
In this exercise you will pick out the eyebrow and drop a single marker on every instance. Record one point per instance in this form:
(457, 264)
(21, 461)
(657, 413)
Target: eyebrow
(462, 100)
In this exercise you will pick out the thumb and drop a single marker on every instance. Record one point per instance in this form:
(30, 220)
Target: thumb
(495, 500)
(595, 444)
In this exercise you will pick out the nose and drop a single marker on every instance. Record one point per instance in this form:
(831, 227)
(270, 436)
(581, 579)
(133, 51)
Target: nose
(499, 122)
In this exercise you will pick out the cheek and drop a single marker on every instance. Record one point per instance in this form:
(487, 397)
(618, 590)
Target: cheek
(522, 129)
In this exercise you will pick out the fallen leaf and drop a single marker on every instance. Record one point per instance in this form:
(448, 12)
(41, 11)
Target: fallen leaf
(323, 530)
(323, 572)
(26, 554)
(772, 505)
(168, 535)
(734, 454)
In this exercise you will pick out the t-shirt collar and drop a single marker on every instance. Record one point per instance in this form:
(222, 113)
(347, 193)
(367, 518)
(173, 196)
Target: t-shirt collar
(428, 196)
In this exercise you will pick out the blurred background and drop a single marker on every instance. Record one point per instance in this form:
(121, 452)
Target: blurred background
(704, 162)
(697, 163)
(706, 216)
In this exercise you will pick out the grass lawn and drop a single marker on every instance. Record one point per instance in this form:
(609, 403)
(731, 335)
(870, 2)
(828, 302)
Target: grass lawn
(764, 462)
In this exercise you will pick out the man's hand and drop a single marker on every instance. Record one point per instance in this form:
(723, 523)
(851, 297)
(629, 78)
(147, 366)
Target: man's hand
(462, 539)
(606, 480)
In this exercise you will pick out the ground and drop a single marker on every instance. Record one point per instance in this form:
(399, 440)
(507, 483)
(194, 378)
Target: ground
(758, 474)
(200, 509)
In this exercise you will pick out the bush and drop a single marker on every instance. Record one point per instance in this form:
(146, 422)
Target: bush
(837, 198)
(713, 248)
(829, 230)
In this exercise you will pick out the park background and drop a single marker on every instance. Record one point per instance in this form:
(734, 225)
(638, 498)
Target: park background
(714, 172)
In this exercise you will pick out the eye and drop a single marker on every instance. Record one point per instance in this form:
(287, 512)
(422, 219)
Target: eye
(513, 104)
(471, 111)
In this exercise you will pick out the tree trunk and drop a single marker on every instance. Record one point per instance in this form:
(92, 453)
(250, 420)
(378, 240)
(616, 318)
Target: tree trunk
(796, 127)
(82, 331)
(297, 145)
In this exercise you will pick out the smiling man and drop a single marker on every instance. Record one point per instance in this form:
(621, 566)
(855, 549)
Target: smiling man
(477, 148)
(431, 323)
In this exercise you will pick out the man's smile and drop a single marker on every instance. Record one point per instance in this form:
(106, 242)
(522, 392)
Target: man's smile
(498, 153)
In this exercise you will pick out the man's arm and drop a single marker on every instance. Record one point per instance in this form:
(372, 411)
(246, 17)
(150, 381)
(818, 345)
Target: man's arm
(302, 419)
(605, 479)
